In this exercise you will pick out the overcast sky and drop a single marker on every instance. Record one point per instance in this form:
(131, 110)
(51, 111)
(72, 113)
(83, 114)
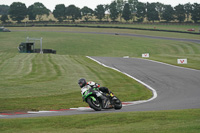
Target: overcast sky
(50, 4)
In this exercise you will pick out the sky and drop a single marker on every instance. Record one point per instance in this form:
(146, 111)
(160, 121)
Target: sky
(50, 4)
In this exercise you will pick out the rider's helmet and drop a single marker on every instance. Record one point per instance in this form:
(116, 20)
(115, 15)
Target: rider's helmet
(82, 82)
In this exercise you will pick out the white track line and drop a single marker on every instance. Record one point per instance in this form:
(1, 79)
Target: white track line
(131, 102)
(82, 108)
(36, 112)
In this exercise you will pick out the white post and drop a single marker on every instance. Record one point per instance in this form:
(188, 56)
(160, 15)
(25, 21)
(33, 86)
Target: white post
(41, 52)
(27, 39)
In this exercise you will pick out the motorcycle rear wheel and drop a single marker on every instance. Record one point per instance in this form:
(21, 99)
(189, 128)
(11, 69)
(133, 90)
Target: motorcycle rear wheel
(117, 104)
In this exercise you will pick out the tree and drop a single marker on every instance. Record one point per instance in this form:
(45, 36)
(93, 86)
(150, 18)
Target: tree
(59, 12)
(152, 14)
(113, 11)
(195, 12)
(31, 14)
(141, 11)
(180, 12)
(100, 12)
(73, 12)
(126, 14)
(120, 6)
(18, 11)
(159, 8)
(4, 18)
(4, 9)
(168, 13)
(87, 13)
(132, 5)
(188, 9)
(106, 7)
(37, 9)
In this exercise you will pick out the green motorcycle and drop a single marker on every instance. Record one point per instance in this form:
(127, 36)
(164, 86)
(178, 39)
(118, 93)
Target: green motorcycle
(98, 100)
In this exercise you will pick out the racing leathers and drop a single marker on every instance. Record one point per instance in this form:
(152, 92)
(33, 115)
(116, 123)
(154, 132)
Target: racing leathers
(102, 89)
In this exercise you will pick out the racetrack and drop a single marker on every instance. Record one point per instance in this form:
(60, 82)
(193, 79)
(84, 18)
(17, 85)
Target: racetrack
(177, 88)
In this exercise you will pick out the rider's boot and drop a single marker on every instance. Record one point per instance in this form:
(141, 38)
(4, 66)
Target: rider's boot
(111, 95)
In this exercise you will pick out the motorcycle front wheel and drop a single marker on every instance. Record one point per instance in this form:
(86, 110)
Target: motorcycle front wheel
(94, 104)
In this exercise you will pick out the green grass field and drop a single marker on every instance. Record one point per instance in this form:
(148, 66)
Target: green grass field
(44, 82)
(179, 121)
(105, 45)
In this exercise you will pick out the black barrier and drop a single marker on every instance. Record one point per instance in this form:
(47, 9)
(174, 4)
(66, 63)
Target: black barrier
(45, 51)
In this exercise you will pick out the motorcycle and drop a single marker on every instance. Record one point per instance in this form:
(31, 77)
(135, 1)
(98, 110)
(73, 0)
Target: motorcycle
(93, 97)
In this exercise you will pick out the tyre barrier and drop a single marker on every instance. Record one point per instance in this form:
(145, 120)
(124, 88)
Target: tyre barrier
(45, 51)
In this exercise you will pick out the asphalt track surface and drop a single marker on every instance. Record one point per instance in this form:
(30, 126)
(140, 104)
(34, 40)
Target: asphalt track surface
(143, 36)
(176, 87)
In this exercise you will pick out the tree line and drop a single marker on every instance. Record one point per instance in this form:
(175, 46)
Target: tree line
(131, 10)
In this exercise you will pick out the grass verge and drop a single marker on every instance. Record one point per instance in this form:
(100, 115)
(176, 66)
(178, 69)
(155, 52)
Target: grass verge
(179, 121)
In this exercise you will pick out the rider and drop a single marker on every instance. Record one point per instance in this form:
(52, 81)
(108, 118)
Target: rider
(82, 83)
